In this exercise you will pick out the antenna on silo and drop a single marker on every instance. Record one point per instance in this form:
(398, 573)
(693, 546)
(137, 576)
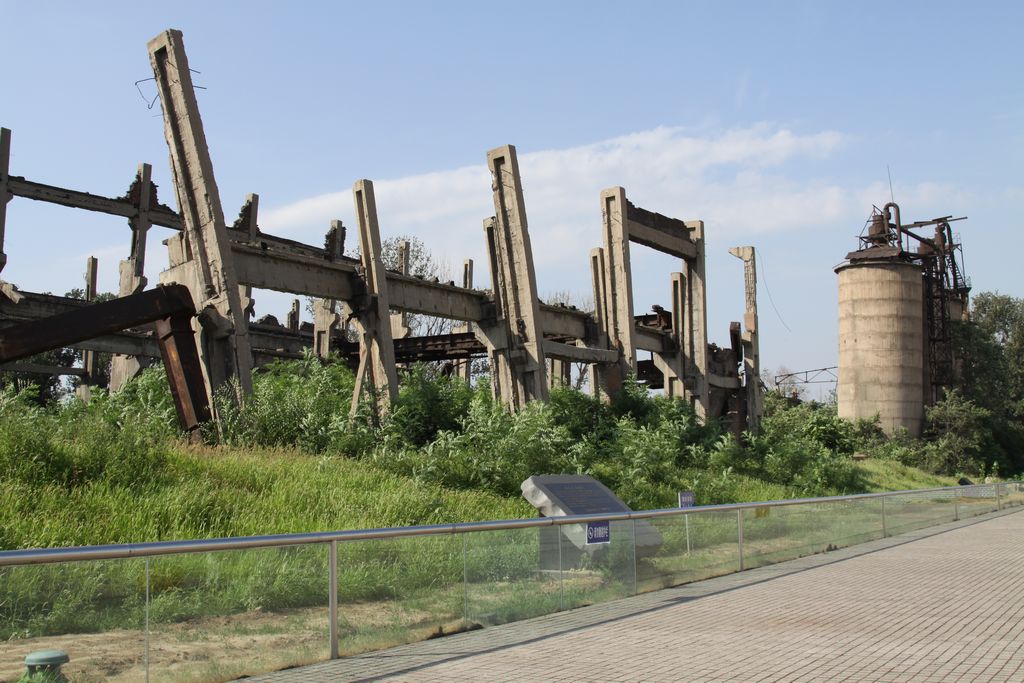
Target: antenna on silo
(891, 197)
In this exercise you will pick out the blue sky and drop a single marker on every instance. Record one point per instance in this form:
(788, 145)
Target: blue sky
(773, 122)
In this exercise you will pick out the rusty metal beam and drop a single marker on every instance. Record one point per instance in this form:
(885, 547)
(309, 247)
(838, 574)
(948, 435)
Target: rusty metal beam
(96, 320)
(170, 307)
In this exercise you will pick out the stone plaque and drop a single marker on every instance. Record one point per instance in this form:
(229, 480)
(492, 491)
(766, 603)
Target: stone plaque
(560, 495)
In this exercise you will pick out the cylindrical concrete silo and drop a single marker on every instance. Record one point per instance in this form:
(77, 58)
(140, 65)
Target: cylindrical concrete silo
(881, 343)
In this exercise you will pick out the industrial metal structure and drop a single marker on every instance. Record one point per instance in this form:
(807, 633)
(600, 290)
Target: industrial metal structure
(527, 343)
(896, 305)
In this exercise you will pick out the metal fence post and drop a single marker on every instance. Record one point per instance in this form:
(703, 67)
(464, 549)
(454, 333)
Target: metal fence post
(999, 505)
(739, 534)
(885, 532)
(686, 518)
(635, 580)
(465, 583)
(147, 620)
(332, 599)
(561, 570)
(956, 507)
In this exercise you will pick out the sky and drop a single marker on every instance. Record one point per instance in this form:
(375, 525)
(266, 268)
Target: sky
(778, 124)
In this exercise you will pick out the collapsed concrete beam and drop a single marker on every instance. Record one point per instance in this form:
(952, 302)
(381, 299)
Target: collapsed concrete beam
(222, 334)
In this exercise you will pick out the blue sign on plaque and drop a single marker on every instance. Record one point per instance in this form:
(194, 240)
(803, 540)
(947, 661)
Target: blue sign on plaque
(686, 499)
(598, 532)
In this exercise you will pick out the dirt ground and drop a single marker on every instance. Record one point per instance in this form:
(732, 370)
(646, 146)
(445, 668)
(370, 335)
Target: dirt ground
(204, 649)
(225, 647)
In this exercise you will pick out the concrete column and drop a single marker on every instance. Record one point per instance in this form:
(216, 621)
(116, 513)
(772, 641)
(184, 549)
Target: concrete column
(325, 322)
(672, 363)
(400, 321)
(294, 316)
(222, 330)
(131, 271)
(373, 322)
(697, 329)
(463, 368)
(515, 285)
(5, 194)
(751, 346)
(89, 357)
(605, 379)
(325, 318)
(618, 289)
(561, 373)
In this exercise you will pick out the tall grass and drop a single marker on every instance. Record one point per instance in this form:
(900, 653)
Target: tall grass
(291, 460)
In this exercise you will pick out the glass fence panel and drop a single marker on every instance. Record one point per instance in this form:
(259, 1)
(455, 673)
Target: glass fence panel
(911, 511)
(975, 500)
(216, 616)
(777, 534)
(93, 611)
(599, 570)
(512, 574)
(1014, 495)
(399, 590)
(693, 547)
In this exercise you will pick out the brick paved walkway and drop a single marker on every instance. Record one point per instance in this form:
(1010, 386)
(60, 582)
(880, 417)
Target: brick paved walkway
(941, 604)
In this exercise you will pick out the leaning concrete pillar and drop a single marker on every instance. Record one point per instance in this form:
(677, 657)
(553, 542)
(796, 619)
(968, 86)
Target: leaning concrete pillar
(618, 290)
(373, 322)
(515, 283)
(605, 379)
(222, 329)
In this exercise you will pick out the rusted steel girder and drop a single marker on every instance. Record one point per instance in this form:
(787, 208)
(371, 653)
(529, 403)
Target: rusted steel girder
(169, 306)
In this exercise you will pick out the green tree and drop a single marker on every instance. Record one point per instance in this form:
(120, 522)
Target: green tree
(990, 386)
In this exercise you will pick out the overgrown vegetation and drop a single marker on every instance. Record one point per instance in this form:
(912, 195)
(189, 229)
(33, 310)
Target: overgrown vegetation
(115, 470)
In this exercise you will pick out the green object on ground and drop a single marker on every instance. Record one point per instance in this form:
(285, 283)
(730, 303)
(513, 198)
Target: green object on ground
(44, 665)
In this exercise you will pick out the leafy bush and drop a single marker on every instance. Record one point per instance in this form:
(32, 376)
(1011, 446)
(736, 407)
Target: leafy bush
(302, 403)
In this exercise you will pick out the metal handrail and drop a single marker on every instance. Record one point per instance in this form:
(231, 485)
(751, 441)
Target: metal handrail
(10, 558)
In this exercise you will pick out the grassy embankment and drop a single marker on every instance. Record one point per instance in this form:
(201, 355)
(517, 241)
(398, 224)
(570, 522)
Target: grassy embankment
(115, 471)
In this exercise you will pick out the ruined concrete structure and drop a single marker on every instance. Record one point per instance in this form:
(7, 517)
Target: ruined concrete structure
(529, 345)
(896, 305)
